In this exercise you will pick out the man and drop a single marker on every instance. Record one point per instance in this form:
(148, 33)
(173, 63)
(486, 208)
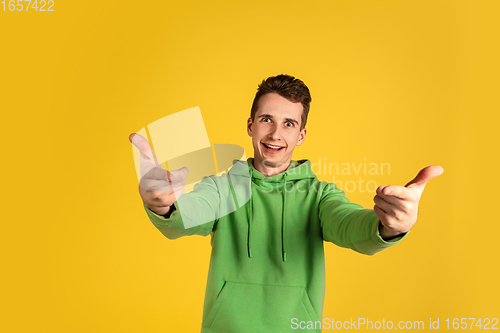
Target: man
(267, 266)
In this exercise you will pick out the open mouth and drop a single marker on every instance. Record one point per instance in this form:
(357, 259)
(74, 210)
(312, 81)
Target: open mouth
(272, 148)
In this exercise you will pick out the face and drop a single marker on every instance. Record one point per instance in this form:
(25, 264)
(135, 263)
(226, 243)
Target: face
(275, 132)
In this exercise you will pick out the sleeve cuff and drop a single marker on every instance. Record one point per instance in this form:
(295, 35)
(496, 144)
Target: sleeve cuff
(392, 241)
(160, 219)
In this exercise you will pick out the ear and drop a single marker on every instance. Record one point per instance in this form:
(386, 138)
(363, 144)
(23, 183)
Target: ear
(249, 126)
(302, 137)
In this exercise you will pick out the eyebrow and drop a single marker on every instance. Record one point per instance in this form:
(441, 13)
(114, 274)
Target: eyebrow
(287, 119)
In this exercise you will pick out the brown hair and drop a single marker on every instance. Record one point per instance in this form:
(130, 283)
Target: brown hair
(288, 87)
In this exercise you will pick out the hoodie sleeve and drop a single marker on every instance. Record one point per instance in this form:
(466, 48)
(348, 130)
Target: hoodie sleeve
(195, 212)
(349, 225)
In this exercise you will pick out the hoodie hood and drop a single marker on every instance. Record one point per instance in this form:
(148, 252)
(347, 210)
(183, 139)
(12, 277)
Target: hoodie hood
(244, 172)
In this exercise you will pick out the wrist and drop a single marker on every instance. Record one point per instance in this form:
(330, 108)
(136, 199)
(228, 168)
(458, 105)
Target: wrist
(162, 211)
(386, 233)
(169, 212)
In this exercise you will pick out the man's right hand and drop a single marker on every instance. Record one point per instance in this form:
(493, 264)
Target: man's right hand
(159, 188)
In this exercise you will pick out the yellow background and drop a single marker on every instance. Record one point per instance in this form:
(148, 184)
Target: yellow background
(410, 83)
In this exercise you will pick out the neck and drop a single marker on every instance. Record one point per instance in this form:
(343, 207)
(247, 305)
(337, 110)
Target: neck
(270, 170)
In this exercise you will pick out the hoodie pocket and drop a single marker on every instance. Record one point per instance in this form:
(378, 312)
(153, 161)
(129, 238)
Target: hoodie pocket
(247, 307)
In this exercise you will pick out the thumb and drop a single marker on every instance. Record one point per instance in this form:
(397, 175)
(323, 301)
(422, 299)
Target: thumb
(425, 175)
(179, 175)
(178, 179)
(142, 144)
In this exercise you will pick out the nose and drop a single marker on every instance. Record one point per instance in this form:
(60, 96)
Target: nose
(275, 132)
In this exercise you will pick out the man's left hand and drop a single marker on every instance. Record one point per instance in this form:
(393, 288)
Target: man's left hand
(397, 206)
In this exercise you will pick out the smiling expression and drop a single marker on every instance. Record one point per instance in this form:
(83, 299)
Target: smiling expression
(275, 133)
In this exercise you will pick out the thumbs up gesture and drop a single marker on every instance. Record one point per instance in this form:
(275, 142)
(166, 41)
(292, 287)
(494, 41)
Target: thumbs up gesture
(158, 188)
(397, 206)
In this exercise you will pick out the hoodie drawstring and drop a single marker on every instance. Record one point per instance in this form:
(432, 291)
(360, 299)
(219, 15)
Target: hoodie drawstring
(250, 208)
(250, 218)
(283, 223)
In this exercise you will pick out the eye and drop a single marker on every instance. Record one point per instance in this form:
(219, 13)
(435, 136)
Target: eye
(264, 119)
(289, 124)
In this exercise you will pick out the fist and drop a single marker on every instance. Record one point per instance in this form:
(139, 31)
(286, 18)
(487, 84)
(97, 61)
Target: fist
(397, 206)
(159, 188)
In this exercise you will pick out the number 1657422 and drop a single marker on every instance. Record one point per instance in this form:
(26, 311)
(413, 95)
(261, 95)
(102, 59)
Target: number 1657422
(25, 5)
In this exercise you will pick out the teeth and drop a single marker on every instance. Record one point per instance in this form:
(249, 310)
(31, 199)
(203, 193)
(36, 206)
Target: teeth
(275, 147)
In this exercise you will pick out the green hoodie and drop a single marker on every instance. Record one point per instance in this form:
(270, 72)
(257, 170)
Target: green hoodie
(267, 265)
